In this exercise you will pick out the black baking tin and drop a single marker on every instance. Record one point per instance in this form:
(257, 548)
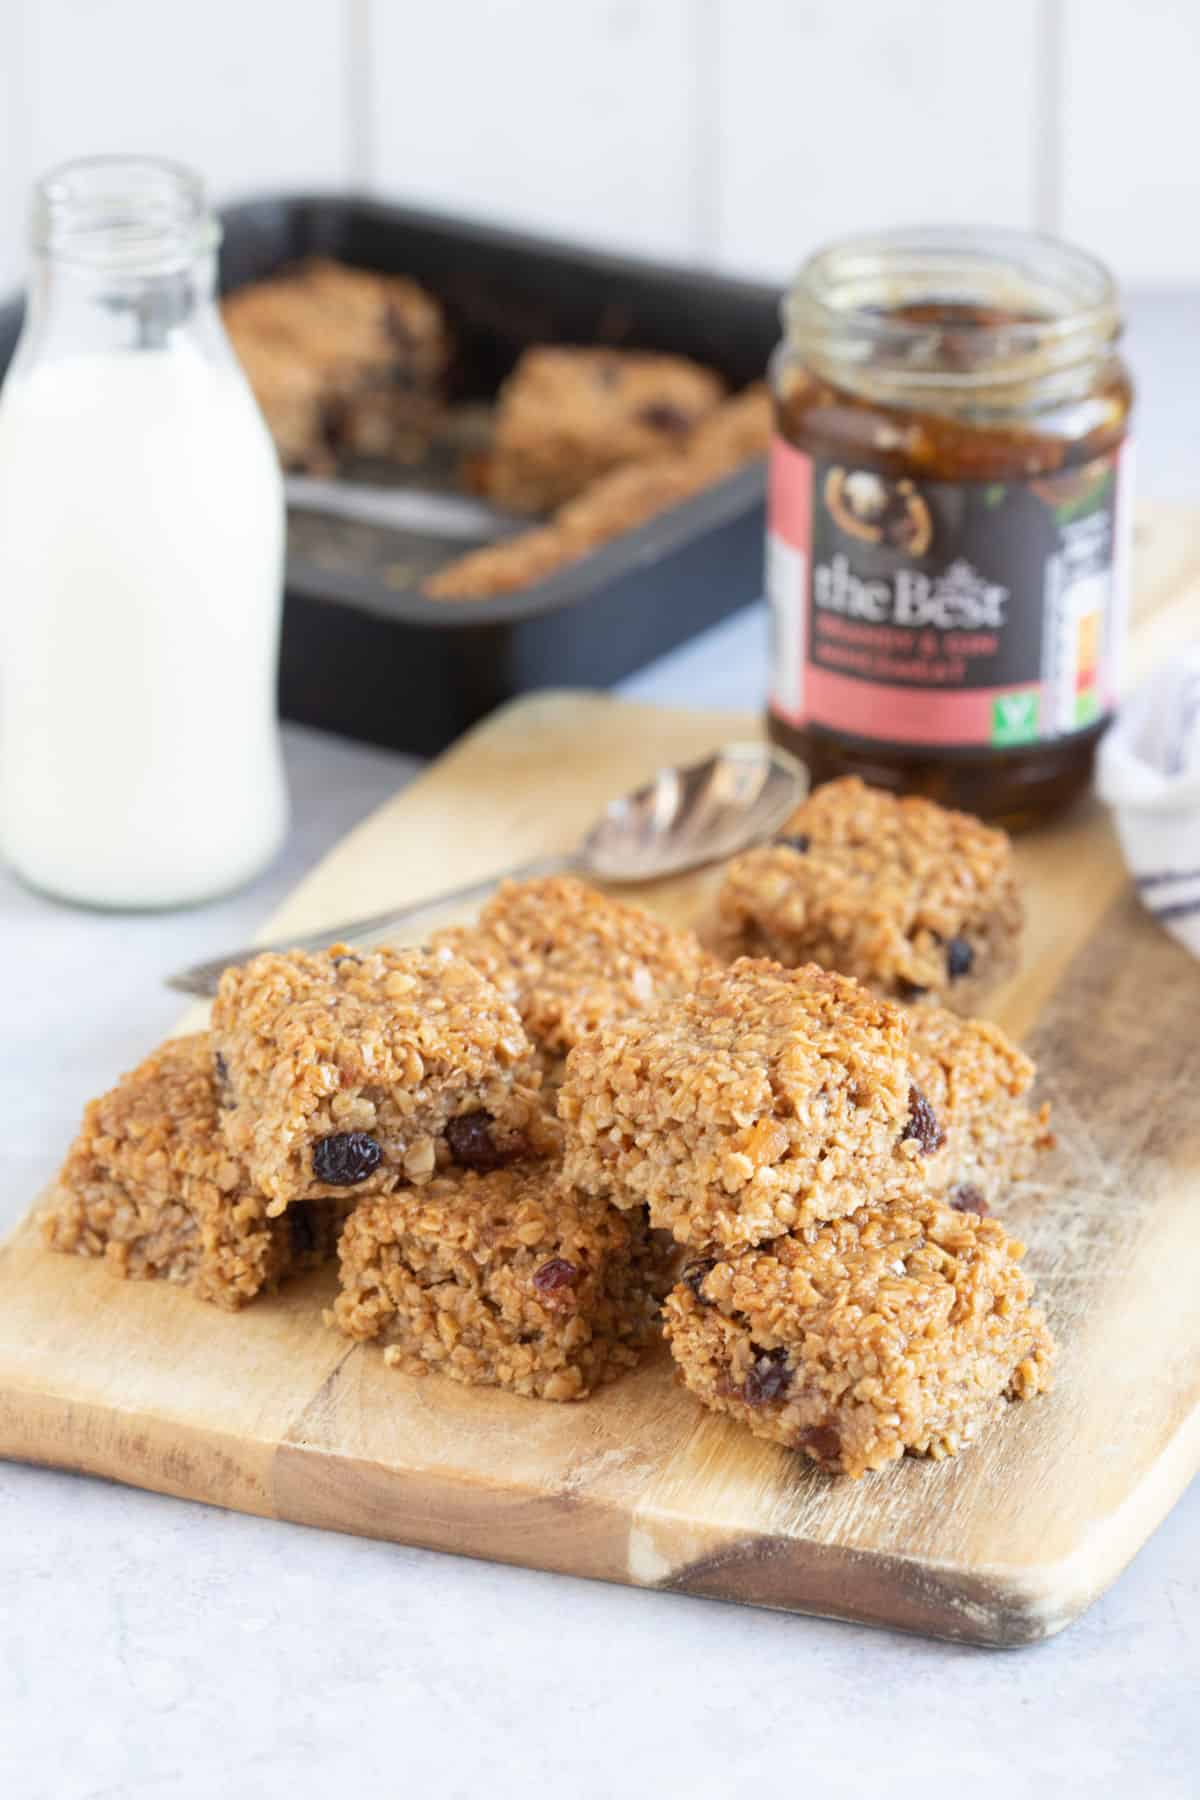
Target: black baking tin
(395, 668)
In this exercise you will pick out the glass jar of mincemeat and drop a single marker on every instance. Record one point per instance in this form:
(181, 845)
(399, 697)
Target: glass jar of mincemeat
(949, 517)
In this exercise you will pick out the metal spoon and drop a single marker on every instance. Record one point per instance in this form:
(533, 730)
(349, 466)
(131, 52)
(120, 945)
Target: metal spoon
(681, 819)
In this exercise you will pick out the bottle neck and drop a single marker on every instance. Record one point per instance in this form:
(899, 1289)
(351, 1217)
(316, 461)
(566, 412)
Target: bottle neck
(124, 259)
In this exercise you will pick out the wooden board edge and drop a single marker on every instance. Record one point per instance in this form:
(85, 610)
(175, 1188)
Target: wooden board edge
(568, 1532)
(159, 1454)
(996, 1608)
(559, 1531)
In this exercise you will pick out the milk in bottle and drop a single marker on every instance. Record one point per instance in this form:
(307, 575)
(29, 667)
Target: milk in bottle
(141, 559)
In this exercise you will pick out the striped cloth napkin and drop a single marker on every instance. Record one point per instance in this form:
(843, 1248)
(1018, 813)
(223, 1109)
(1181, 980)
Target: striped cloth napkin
(1149, 773)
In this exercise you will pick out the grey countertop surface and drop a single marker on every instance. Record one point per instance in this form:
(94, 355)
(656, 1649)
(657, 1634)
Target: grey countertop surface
(150, 1647)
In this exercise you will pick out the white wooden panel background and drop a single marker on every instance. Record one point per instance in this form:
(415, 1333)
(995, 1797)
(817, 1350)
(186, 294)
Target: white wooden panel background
(735, 132)
(839, 117)
(1131, 121)
(581, 117)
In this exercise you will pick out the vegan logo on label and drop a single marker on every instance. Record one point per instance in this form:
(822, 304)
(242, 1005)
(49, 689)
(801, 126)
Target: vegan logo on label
(1014, 718)
(876, 510)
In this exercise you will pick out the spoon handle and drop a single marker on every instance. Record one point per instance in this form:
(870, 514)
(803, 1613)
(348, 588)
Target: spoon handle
(202, 978)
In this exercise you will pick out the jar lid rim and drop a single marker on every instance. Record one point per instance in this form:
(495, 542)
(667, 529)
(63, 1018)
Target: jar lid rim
(1058, 305)
(914, 254)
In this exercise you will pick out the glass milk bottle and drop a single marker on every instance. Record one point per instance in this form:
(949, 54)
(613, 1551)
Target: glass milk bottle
(141, 558)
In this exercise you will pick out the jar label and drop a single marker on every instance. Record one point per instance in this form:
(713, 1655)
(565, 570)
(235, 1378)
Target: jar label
(940, 613)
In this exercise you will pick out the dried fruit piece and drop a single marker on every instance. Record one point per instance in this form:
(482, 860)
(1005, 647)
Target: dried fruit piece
(769, 1378)
(345, 1157)
(923, 1123)
(660, 415)
(910, 990)
(693, 1276)
(823, 1443)
(473, 1146)
(555, 1275)
(225, 1094)
(959, 958)
(967, 1198)
(797, 840)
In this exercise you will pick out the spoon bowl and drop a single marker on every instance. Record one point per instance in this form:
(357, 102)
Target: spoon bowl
(685, 817)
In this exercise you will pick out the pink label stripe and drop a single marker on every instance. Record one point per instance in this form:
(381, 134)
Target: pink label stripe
(789, 505)
(902, 715)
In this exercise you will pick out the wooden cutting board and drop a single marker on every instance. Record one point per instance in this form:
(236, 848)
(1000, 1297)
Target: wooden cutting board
(269, 1412)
